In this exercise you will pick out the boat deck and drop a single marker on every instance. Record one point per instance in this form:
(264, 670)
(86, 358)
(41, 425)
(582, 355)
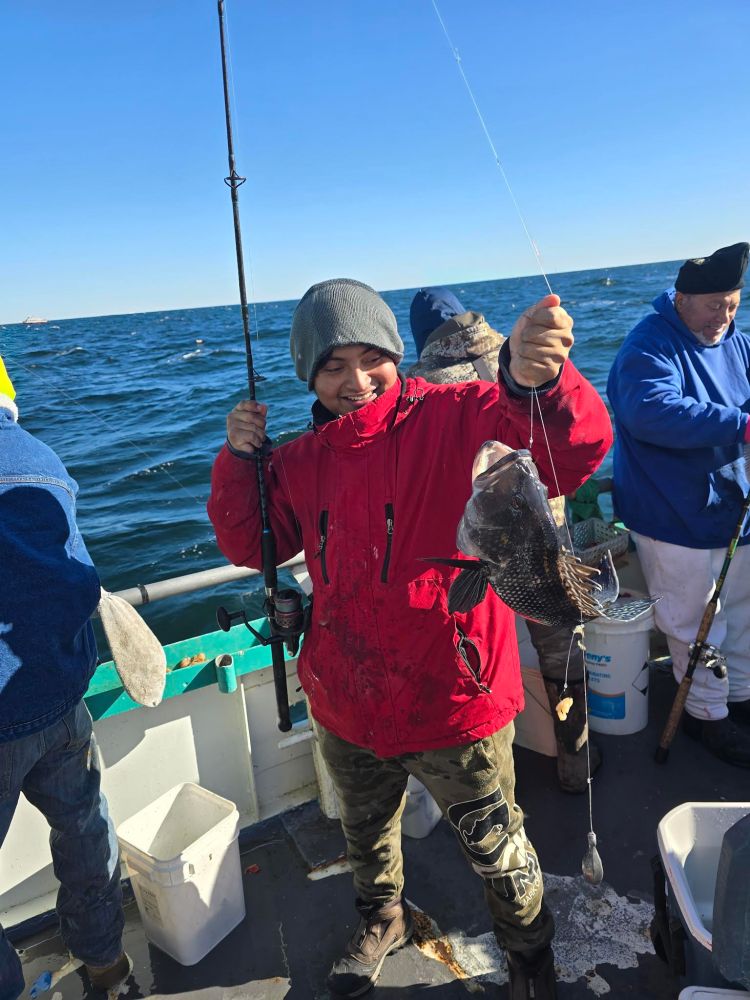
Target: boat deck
(295, 924)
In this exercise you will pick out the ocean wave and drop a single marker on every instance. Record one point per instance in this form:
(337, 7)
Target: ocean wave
(199, 352)
(52, 352)
(596, 303)
(150, 470)
(197, 549)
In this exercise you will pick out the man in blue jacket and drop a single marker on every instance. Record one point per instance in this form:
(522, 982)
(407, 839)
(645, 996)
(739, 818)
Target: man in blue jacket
(47, 656)
(680, 391)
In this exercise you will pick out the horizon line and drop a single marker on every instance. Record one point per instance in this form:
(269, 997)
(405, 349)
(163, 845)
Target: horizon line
(263, 302)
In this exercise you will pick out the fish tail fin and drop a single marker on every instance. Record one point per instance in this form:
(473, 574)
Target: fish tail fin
(468, 589)
(630, 611)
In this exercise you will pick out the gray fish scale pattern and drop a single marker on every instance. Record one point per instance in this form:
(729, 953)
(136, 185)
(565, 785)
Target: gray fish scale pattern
(531, 591)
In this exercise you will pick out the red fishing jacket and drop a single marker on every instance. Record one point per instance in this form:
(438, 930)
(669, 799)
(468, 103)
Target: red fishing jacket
(370, 497)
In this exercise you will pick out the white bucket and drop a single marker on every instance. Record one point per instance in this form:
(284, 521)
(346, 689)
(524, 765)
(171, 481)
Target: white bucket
(184, 861)
(617, 667)
(421, 812)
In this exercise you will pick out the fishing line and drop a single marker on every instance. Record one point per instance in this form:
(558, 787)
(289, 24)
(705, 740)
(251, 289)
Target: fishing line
(535, 398)
(532, 244)
(498, 161)
(501, 168)
(592, 868)
(110, 427)
(577, 634)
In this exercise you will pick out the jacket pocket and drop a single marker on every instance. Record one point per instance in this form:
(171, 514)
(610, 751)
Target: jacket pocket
(389, 542)
(728, 485)
(467, 650)
(78, 725)
(321, 551)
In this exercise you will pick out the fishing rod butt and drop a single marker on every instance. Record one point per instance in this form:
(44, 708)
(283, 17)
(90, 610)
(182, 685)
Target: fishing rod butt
(284, 722)
(279, 683)
(661, 755)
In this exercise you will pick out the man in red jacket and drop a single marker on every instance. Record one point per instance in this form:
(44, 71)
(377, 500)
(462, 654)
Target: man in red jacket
(396, 684)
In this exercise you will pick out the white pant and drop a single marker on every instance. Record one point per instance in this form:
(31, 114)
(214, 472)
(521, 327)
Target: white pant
(684, 579)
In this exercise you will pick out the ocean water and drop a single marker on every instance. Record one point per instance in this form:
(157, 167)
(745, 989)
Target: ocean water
(135, 406)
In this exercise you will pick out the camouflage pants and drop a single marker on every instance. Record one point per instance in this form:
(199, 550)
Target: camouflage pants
(474, 787)
(552, 645)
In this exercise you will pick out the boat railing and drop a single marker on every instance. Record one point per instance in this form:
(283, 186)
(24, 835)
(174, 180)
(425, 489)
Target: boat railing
(147, 593)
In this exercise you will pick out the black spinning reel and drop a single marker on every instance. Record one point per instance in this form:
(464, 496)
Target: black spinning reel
(286, 614)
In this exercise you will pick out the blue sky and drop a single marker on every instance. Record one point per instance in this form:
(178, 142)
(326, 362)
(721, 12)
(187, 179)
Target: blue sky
(622, 128)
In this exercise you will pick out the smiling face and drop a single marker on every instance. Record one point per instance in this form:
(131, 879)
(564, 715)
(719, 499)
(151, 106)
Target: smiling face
(352, 377)
(708, 316)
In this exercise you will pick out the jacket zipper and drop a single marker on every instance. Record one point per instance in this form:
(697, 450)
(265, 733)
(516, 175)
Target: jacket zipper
(389, 533)
(321, 553)
(463, 642)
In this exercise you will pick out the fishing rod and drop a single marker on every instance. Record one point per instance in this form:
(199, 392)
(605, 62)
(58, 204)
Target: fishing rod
(700, 650)
(282, 608)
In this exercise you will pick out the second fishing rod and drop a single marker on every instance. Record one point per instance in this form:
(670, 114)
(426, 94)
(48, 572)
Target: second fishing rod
(701, 652)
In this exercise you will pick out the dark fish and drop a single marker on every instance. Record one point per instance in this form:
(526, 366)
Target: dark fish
(508, 526)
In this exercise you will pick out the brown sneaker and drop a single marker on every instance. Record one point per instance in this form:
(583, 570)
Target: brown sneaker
(381, 930)
(572, 735)
(106, 977)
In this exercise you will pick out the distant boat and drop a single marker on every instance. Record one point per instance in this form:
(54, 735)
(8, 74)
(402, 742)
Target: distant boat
(33, 320)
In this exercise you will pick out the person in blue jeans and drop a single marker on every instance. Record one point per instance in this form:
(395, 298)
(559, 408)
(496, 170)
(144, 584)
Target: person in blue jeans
(48, 593)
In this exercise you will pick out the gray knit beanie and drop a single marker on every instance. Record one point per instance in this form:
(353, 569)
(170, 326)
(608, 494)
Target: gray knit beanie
(338, 313)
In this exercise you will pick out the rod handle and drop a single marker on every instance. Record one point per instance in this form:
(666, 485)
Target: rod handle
(279, 681)
(673, 721)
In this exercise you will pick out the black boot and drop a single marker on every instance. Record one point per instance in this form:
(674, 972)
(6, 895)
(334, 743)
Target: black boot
(532, 977)
(572, 735)
(739, 711)
(381, 930)
(720, 737)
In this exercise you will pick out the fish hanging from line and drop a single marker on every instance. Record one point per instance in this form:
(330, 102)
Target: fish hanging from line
(508, 527)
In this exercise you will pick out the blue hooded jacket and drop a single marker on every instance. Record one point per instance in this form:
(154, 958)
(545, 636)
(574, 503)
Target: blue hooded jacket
(48, 587)
(681, 411)
(430, 308)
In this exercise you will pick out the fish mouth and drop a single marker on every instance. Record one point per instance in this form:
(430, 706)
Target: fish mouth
(503, 463)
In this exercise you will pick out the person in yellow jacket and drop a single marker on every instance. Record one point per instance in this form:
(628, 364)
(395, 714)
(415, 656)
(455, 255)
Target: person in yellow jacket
(6, 386)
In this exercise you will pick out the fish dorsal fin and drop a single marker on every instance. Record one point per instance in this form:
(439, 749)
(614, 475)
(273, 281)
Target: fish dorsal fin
(579, 583)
